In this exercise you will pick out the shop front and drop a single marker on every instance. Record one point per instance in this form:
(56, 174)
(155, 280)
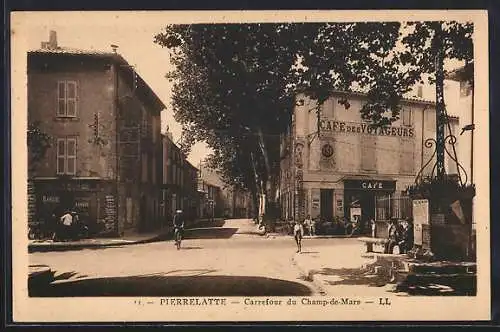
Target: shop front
(92, 200)
(361, 197)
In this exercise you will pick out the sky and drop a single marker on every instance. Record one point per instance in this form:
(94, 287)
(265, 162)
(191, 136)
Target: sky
(133, 33)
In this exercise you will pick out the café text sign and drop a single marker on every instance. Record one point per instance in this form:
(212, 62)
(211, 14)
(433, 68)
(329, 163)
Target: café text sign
(370, 185)
(363, 128)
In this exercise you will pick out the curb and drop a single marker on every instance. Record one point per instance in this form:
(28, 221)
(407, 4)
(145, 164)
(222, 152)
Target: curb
(78, 246)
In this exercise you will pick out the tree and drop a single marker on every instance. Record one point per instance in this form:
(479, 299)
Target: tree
(235, 84)
(429, 45)
(38, 144)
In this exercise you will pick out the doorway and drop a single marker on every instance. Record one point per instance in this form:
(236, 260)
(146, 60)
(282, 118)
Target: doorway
(326, 204)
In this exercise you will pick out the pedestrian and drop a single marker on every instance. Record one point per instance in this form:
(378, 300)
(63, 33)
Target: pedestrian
(393, 236)
(310, 224)
(298, 234)
(373, 225)
(66, 223)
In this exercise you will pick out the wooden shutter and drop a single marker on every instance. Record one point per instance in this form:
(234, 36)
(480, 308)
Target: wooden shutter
(71, 156)
(71, 95)
(61, 98)
(61, 156)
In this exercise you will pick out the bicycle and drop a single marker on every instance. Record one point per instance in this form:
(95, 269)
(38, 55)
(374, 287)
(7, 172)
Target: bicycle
(178, 237)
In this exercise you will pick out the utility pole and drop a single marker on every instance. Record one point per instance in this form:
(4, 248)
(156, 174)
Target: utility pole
(440, 115)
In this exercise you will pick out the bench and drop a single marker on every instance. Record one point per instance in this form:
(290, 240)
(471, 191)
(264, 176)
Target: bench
(370, 241)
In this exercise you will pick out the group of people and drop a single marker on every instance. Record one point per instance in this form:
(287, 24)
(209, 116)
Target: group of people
(64, 226)
(400, 234)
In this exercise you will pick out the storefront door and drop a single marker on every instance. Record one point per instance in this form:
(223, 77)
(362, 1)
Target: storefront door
(326, 205)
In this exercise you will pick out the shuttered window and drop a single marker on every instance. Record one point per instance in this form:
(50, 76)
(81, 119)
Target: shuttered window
(67, 98)
(66, 156)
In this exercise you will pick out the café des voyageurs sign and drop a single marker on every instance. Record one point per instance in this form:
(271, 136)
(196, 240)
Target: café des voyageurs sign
(364, 128)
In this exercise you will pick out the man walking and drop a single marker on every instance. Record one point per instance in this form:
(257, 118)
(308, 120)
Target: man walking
(298, 234)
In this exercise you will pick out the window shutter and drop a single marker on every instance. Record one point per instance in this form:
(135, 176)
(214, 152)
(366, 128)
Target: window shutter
(71, 155)
(71, 99)
(61, 155)
(61, 98)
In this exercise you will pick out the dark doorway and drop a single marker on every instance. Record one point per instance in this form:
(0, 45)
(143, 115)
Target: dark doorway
(367, 206)
(326, 204)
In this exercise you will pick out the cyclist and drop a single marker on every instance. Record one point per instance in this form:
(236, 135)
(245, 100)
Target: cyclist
(178, 224)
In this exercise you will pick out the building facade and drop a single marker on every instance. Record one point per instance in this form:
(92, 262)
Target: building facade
(179, 187)
(342, 167)
(103, 120)
(233, 202)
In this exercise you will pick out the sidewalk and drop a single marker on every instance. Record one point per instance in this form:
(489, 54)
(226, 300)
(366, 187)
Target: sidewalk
(342, 269)
(132, 237)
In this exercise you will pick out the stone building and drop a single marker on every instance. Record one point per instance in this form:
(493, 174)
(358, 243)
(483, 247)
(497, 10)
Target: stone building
(103, 119)
(234, 202)
(348, 168)
(179, 187)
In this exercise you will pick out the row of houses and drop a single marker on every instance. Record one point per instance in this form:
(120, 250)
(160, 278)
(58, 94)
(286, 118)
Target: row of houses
(107, 157)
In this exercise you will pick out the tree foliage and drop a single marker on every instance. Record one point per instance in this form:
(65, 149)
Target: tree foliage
(235, 84)
(38, 143)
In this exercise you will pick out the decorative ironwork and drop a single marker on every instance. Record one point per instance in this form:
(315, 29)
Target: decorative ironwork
(431, 143)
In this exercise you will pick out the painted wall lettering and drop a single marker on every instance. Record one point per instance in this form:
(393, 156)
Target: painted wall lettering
(363, 128)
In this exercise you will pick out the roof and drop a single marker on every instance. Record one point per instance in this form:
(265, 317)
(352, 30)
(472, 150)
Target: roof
(465, 72)
(407, 98)
(115, 57)
(73, 51)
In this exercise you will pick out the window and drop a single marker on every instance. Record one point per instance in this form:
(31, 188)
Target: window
(66, 156)
(407, 117)
(66, 98)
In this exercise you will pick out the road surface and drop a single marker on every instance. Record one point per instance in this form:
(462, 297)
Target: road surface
(223, 259)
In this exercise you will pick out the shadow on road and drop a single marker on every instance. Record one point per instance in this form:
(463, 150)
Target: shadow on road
(353, 277)
(449, 287)
(209, 233)
(165, 284)
(208, 223)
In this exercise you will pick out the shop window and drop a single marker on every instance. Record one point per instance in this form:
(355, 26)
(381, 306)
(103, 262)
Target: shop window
(66, 99)
(66, 156)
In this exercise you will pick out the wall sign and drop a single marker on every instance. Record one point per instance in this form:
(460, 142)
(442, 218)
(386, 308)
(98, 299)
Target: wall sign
(315, 203)
(383, 185)
(420, 211)
(363, 128)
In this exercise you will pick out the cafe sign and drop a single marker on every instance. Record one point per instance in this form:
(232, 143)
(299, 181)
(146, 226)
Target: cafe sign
(327, 125)
(380, 185)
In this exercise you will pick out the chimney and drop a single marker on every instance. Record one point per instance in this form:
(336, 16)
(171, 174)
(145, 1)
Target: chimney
(52, 43)
(114, 48)
(53, 40)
